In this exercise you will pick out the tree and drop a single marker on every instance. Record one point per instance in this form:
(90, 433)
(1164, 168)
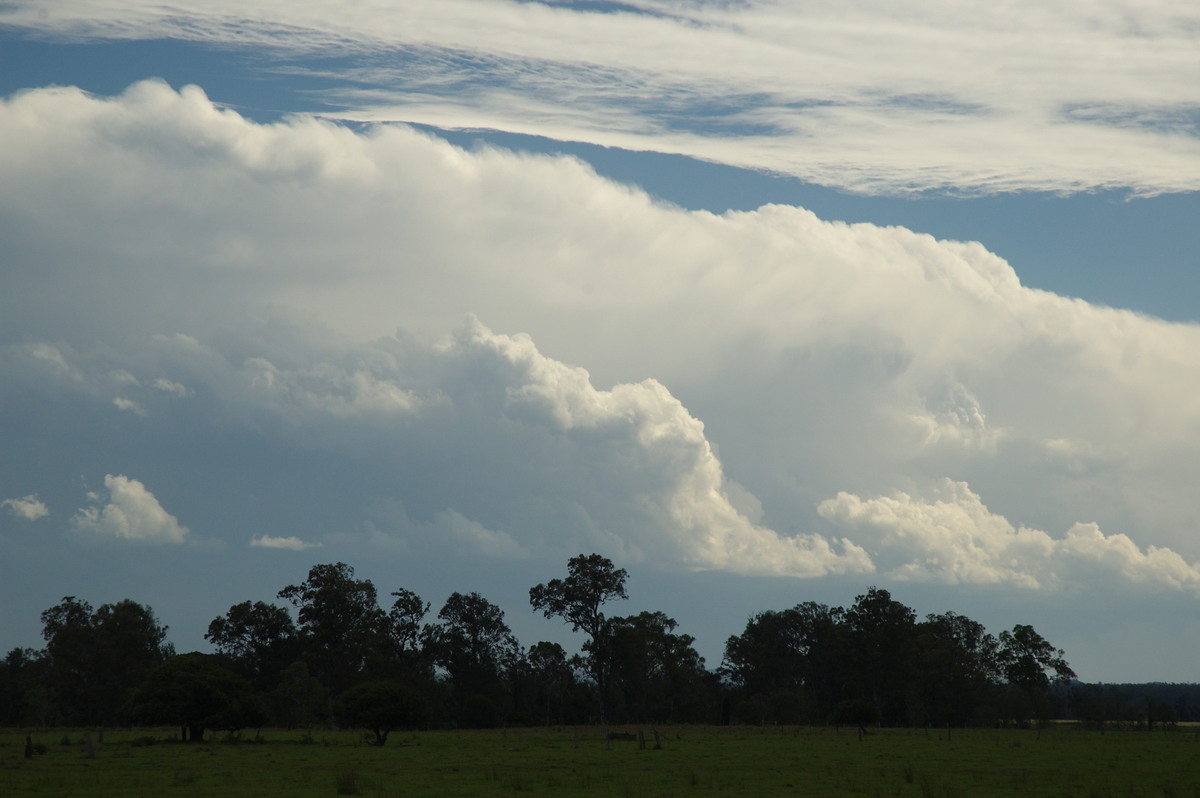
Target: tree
(299, 699)
(407, 655)
(380, 708)
(657, 673)
(22, 672)
(552, 678)
(880, 634)
(196, 694)
(1026, 659)
(475, 646)
(96, 658)
(956, 669)
(591, 582)
(259, 639)
(341, 624)
(789, 663)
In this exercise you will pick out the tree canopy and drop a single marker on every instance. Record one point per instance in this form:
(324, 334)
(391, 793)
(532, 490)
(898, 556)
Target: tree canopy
(331, 650)
(193, 692)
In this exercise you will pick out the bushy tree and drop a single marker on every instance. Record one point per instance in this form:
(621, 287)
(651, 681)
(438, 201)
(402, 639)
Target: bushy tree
(94, 659)
(380, 708)
(196, 694)
(790, 663)
(300, 699)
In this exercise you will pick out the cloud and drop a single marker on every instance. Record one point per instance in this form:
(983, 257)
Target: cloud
(28, 508)
(952, 537)
(980, 98)
(287, 543)
(132, 514)
(129, 405)
(170, 386)
(741, 368)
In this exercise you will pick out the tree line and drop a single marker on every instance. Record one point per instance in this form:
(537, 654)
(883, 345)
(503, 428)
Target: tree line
(333, 653)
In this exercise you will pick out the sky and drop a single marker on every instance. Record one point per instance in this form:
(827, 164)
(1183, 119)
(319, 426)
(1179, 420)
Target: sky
(768, 302)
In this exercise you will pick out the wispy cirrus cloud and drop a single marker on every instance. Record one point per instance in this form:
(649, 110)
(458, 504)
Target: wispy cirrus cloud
(870, 96)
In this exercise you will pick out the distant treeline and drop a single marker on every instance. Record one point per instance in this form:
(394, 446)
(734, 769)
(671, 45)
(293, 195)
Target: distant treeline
(1149, 705)
(332, 654)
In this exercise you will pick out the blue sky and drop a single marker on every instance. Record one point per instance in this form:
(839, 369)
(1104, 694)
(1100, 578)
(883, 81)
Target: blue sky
(766, 303)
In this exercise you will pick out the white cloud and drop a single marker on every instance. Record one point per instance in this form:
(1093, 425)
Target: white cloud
(289, 543)
(132, 514)
(27, 507)
(979, 97)
(952, 537)
(129, 405)
(671, 477)
(170, 386)
(741, 368)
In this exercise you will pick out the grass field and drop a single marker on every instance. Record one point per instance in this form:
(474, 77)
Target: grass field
(736, 761)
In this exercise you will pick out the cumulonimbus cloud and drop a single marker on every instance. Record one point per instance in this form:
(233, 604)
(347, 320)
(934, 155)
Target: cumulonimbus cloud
(741, 368)
(132, 513)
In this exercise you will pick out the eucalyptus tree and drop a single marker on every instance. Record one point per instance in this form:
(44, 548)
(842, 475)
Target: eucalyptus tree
(790, 664)
(258, 640)
(1030, 664)
(95, 658)
(475, 646)
(881, 636)
(656, 672)
(341, 623)
(591, 582)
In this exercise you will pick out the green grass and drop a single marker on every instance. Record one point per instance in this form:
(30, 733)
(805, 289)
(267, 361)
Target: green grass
(737, 761)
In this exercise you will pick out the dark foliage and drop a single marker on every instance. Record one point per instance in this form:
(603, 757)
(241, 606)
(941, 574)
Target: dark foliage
(196, 694)
(348, 660)
(380, 708)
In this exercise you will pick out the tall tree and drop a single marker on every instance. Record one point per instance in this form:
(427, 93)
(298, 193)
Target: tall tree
(476, 647)
(956, 669)
(591, 582)
(790, 662)
(1027, 659)
(96, 658)
(407, 655)
(881, 635)
(552, 678)
(1030, 664)
(656, 673)
(341, 623)
(258, 639)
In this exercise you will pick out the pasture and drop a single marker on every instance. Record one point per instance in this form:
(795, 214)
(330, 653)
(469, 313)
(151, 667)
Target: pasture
(737, 761)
